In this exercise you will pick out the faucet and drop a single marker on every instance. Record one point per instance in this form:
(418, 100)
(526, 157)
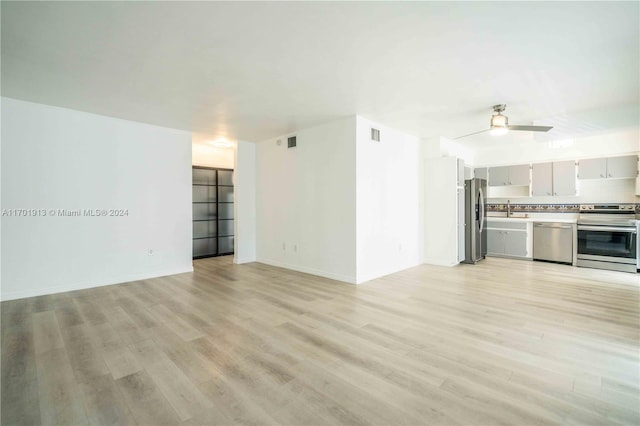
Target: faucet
(508, 208)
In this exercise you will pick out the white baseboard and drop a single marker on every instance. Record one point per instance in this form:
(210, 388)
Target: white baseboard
(240, 261)
(83, 286)
(440, 262)
(320, 273)
(389, 271)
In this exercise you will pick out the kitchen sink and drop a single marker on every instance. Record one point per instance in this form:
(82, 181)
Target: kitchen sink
(504, 215)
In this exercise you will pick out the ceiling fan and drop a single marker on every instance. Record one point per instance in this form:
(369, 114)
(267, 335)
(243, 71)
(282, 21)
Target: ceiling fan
(499, 124)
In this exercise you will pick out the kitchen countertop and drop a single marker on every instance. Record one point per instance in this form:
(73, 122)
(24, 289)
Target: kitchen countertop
(530, 219)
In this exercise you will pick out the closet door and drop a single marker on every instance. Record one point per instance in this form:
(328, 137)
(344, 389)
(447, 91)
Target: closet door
(213, 201)
(225, 212)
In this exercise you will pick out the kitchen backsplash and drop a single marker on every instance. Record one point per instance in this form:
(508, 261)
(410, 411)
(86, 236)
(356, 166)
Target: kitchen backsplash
(543, 208)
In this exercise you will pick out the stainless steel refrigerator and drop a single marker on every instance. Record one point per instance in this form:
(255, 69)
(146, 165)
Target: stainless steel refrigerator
(475, 220)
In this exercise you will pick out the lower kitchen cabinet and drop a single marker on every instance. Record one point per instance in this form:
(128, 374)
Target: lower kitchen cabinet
(495, 241)
(511, 242)
(515, 243)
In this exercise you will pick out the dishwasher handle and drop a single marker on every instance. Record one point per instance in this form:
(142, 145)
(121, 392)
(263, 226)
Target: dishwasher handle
(551, 225)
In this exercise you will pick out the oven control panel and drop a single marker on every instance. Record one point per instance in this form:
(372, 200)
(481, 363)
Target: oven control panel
(606, 208)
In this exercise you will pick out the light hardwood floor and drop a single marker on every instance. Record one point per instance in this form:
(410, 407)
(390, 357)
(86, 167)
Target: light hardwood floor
(501, 342)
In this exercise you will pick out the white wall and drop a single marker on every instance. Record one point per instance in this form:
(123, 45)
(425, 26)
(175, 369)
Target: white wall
(55, 158)
(209, 156)
(440, 235)
(440, 146)
(204, 154)
(387, 210)
(245, 202)
(306, 201)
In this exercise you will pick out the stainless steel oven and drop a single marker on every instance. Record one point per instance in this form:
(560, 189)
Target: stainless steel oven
(608, 237)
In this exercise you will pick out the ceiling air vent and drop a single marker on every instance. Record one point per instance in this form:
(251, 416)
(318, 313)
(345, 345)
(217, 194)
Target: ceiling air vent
(291, 142)
(375, 135)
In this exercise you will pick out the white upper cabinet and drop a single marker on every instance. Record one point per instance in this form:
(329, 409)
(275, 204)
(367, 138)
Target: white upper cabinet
(542, 179)
(622, 167)
(519, 175)
(557, 178)
(480, 173)
(499, 176)
(509, 175)
(564, 178)
(604, 168)
(468, 173)
(594, 168)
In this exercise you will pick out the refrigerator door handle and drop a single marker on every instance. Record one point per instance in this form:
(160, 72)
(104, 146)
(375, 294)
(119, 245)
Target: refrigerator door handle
(481, 204)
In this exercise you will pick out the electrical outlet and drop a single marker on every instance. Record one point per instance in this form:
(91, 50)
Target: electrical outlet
(284, 246)
(150, 252)
(295, 247)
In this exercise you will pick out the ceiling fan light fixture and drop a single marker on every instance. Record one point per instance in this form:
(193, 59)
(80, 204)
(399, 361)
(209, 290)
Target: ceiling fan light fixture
(498, 131)
(499, 124)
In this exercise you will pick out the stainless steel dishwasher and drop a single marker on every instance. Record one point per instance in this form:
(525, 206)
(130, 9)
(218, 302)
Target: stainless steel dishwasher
(553, 242)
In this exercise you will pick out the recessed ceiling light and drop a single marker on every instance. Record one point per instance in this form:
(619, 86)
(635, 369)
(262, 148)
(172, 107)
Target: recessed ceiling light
(221, 143)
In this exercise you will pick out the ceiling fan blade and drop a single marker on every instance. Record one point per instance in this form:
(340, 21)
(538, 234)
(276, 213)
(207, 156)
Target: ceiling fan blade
(531, 128)
(471, 134)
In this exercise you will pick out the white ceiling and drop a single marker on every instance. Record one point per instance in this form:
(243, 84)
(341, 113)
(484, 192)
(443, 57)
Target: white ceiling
(255, 70)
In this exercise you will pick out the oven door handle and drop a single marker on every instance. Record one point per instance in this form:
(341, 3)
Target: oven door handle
(606, 228)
